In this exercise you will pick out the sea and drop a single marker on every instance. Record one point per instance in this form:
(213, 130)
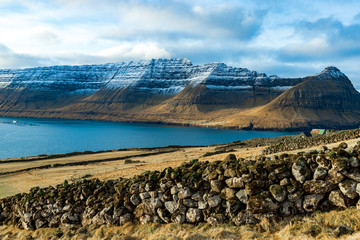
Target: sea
(21, 137)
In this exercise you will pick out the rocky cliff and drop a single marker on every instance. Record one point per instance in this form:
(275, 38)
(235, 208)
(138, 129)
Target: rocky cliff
(326, 99)
(176, 91)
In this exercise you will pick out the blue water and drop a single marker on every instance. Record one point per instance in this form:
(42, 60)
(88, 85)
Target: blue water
(31, 137)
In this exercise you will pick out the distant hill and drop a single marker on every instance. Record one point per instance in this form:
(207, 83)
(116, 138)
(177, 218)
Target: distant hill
(176, 91)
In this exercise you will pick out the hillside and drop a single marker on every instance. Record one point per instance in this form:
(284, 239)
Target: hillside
(177, 92)
(327, 99)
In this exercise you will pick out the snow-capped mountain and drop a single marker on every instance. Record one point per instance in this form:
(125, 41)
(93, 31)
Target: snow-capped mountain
(177, 91)
(163, 76)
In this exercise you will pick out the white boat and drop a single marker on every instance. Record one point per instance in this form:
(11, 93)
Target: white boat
(14, 121)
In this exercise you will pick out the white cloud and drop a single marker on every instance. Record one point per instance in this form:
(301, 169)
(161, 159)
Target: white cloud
(129, 51)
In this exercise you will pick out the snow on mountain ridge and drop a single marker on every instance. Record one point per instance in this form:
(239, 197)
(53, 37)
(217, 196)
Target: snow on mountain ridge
(164, 76)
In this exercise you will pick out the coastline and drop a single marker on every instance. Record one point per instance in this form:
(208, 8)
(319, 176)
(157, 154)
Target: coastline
(137, 118)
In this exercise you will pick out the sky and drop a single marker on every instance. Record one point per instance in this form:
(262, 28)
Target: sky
(287, 38)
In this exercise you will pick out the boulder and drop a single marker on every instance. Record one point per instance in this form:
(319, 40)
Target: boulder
(320, 173)
(278, 192)
(242, 196)
(235, 182)
(214, 201)
(171, 206)
(216, 185)
(125, 219)
(318, 186)
(228, 194)
(135, 199)
(193, 215)
(311, 202)
(300, 170)
(262, 203)
(184, 192)
(334, 176)
(348, 188)
(287, 209)
(337, 198)
(254, 187)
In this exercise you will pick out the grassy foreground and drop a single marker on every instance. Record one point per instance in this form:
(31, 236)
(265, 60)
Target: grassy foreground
(315, 226)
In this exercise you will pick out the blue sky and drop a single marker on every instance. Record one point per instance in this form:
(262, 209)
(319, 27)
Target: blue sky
(287, 38)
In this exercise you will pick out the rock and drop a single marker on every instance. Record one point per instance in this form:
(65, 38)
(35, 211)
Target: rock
(125, 219)
(184, 193)
(278, 192)
(193, 215)
(171, 206)
(340, 164)
(320, 173)
(246, 178)
(155, 203)
(242, 196)
(254, 187)
(311, 202)
(144, 208)
(228, 194)
(202, 205)
(235, 182)
(233, 206)
(337, 198)
(318, 186)
(144, 195)
(285, 182)
(190, 203)
(178, 217)
(354, 162)
(214, 201)
(198, 196)
(343, 230)
(164, 215)
(358, 188)
(216, 220)
(174, 190)
(230, 173)
(352, 175)
(216, 185)
(334, 176)
(262, 203)
(135, 199)
(272, 176)
(145, 219)
(348, 188)
(300, 170)
(287, 209)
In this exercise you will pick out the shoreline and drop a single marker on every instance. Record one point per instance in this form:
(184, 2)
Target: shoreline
(130, 118)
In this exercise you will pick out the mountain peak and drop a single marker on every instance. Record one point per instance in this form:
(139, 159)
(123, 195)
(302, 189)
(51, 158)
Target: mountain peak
(331, 72)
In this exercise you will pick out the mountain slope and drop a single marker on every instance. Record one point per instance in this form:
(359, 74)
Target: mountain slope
(327, 99)
(176, 91)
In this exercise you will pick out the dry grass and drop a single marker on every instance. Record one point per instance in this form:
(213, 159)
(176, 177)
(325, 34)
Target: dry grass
(316, 226)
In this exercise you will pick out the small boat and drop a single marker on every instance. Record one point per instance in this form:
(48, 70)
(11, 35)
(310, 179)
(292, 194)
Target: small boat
(14, 121)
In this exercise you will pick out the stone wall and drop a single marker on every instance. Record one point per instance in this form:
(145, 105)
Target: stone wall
(294, 143)
(233, 190)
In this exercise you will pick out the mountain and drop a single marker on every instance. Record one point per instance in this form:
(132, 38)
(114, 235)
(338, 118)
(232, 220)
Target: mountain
(176, 91)
(327, 99)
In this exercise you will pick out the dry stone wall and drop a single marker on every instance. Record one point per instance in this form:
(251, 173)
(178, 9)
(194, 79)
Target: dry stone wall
(296, 142)
(232, 190)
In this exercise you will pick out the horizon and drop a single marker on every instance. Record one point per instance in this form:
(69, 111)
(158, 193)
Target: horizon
(294, 39)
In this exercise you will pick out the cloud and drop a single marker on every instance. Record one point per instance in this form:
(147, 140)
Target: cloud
(128, 51)
(287, 38)
(10, 59)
